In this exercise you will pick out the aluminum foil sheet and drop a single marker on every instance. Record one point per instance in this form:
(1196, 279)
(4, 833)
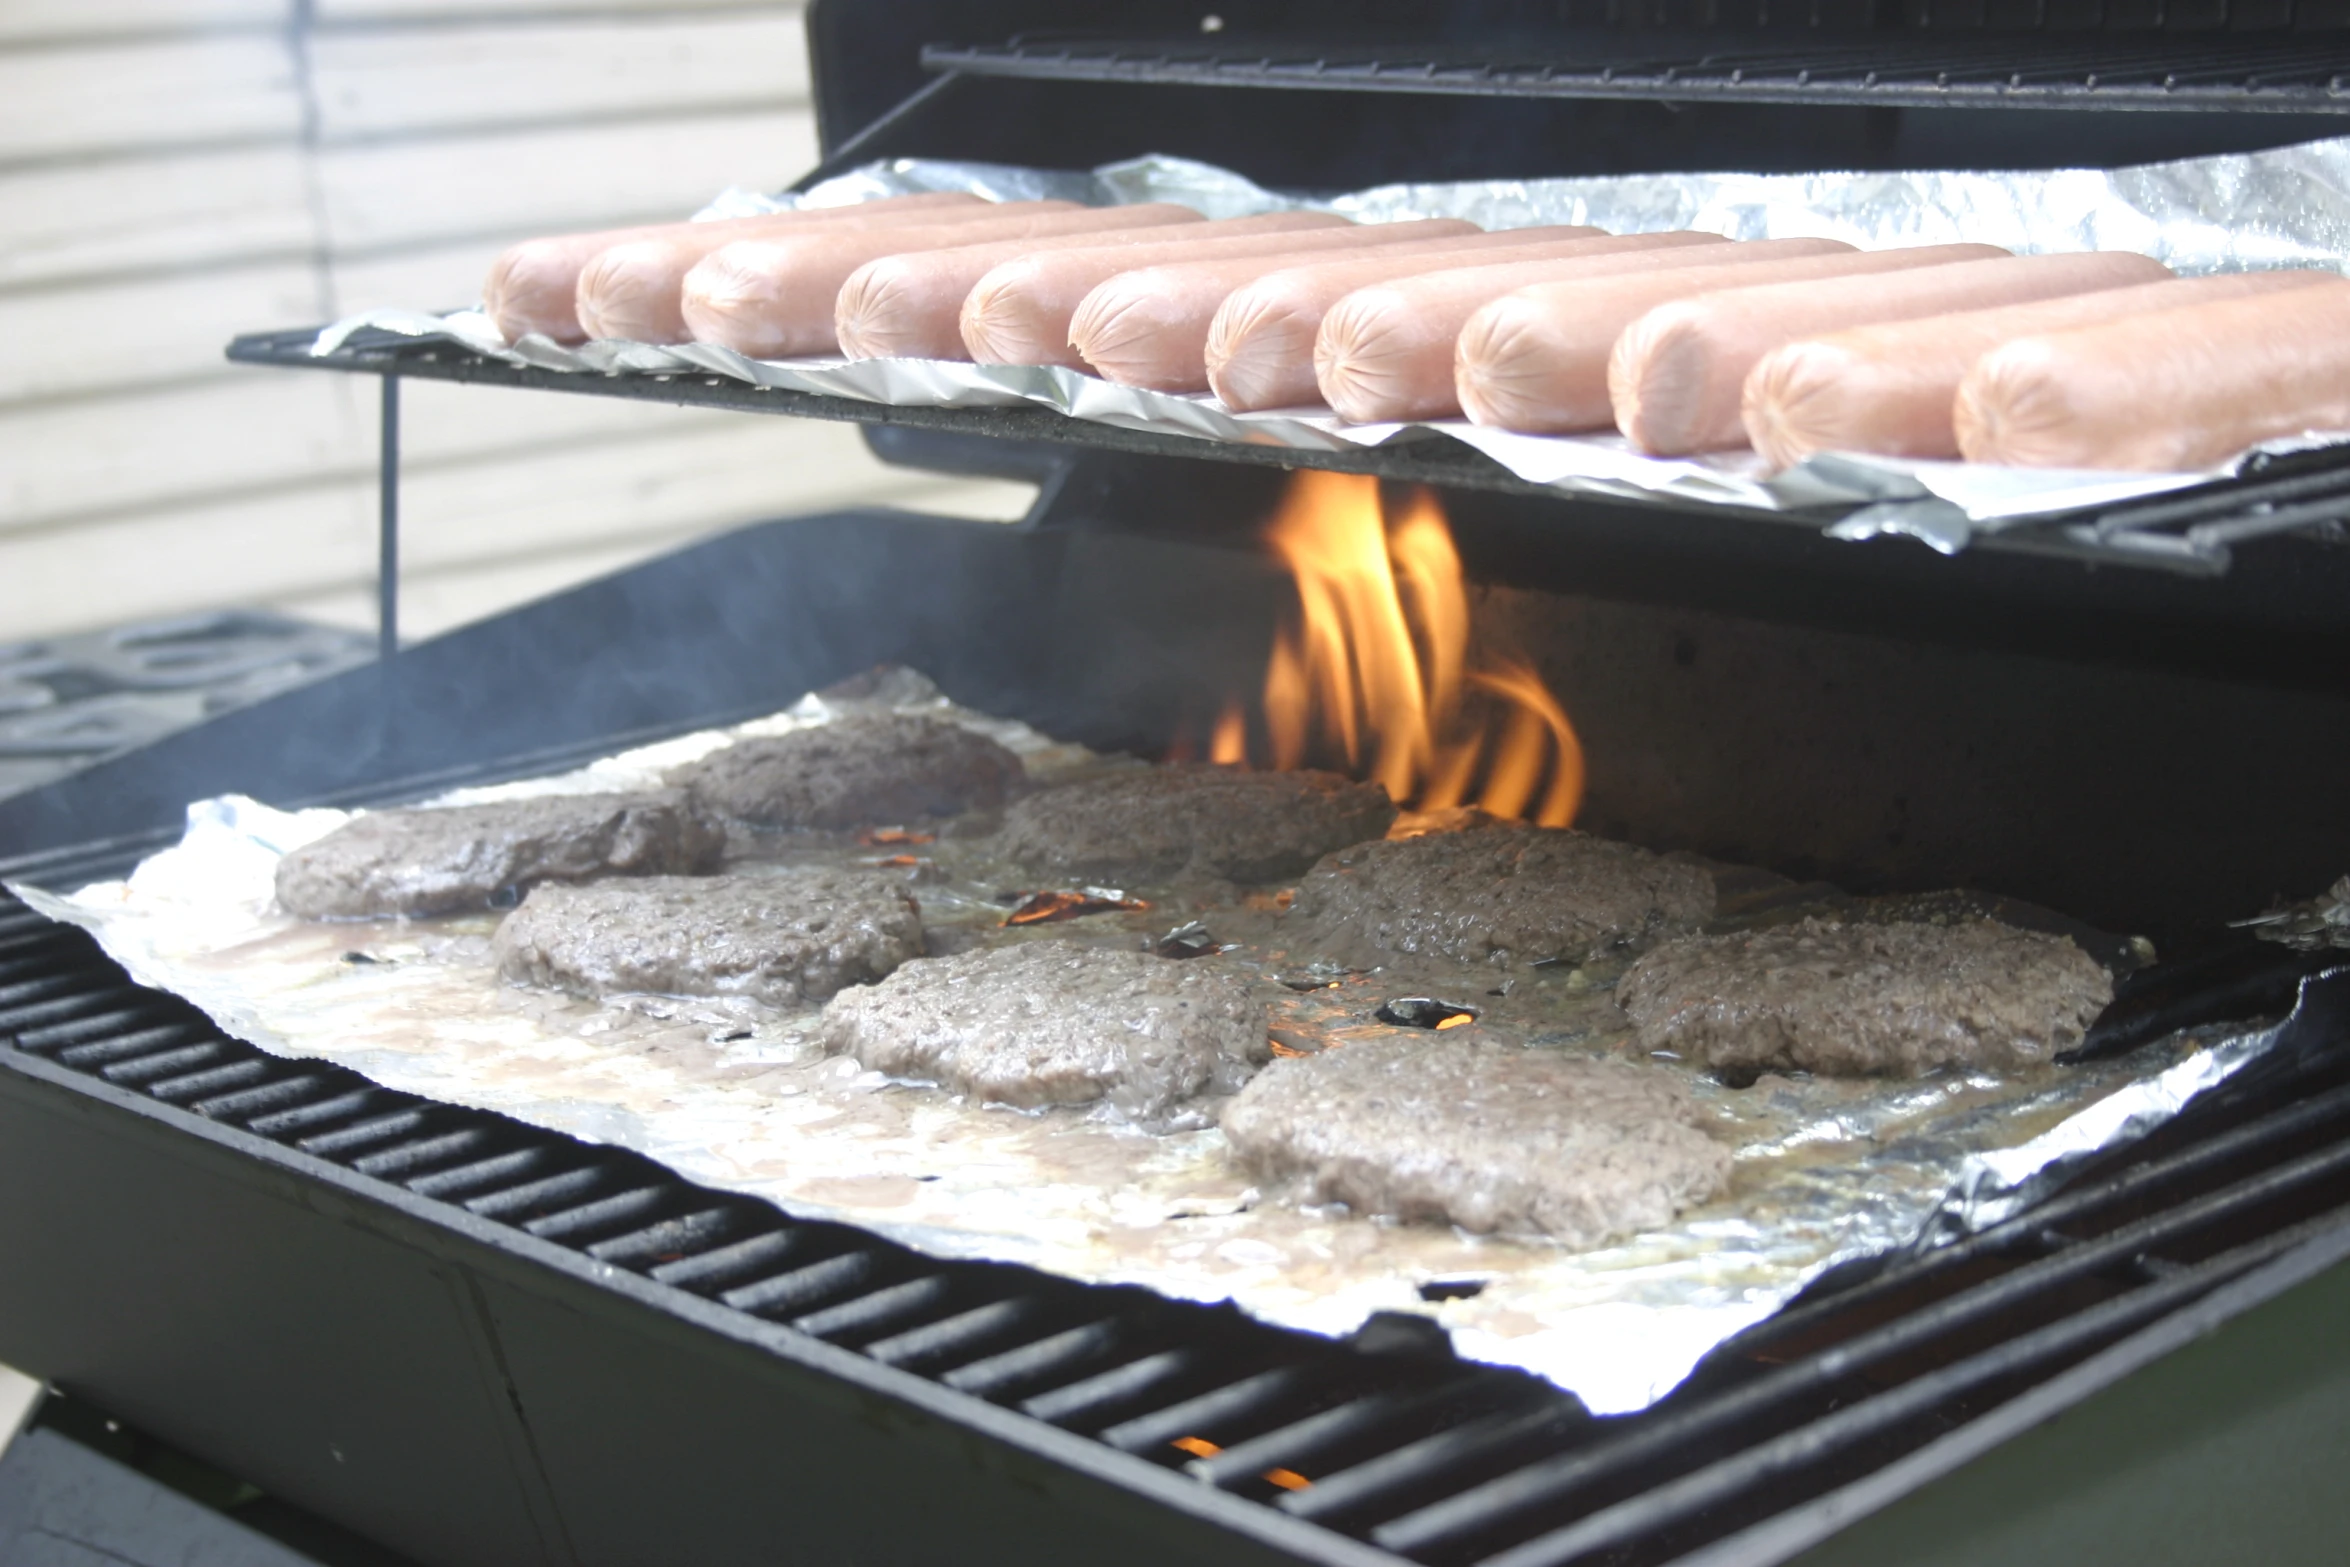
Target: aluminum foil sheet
(734, 1095)
(2285, 207)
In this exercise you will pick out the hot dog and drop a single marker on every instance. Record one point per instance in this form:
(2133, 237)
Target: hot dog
(1537, 359)
(1676, 373)
(773, 298)
(1150, 327)
(1260, 347)
(1889, 388)
(532, 287)
(2179, 389)
(911, 306)
(1386, 352)
(1019, 313)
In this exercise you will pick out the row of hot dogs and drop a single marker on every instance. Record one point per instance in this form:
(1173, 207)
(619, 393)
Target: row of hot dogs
(1685, 342)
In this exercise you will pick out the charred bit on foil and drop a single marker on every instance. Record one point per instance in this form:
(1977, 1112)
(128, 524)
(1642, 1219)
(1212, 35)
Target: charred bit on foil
(1426, 1012)
(890, 837)
(1043, 908)
(1190, 940)
(1290, 1042)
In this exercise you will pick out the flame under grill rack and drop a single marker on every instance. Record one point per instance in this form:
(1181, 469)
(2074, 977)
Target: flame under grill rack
(2284, 73)
(1386, 1447)
(2193, 532)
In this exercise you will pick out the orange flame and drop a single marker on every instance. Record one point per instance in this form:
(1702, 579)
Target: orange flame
(1377, 670)
(1229, 747)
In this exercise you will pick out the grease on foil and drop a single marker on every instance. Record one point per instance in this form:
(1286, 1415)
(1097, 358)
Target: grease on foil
(2284, 207)
(735, 1096)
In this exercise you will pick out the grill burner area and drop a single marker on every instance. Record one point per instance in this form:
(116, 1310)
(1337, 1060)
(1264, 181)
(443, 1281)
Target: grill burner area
(1384, 1440)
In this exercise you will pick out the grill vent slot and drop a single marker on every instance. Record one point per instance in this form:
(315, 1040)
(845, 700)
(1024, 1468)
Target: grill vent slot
(1433, 1460)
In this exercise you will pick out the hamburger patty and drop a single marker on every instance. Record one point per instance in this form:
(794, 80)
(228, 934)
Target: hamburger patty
(1152, 824)
(1499, 894)
(799, 935)
(859, 771)
(442, 859)
(1054, 1023)
(1488, 1137)
(1864, 999)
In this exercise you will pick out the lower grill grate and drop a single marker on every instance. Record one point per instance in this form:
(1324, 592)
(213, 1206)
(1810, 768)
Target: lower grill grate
(1385, 1438)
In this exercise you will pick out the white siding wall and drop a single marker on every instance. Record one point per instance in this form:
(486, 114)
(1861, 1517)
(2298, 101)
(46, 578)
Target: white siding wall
(173, 172)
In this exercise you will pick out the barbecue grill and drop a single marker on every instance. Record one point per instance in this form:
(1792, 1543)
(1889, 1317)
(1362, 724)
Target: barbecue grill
(482, 1343)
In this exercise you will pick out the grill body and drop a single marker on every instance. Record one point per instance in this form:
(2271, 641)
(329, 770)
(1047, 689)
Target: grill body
(479, 1343)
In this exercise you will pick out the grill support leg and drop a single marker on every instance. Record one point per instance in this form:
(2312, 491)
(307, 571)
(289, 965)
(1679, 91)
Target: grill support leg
(387, 567)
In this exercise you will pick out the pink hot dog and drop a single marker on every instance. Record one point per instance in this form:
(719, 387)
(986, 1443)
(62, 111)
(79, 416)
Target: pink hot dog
(533, 286)
(1260, 347)
(1019, 314)
(1537, 359)
(1386, 352)
(774, 298)
(1150, 327)
(911, 306)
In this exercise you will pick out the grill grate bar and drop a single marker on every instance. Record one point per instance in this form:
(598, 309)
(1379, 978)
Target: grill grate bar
(805, 1286)
(716, 1269)
(1327, 1439)
(538, 1195)
(190, 1085)
(399, 1160)
(1215, 1410)
(1119, 1386)
(38, 1041)
(27, 1020)
(169, 1063)
(281, 1125)
(367, 1133)
(670, 1239)
(25, 991)
(266, 1096)
(1395, 1482)
(580, 1224)
(962, 1333)
(868, 1315)
(449, 1185)
(1003, 1374)
(55, 945)
(99, 1054)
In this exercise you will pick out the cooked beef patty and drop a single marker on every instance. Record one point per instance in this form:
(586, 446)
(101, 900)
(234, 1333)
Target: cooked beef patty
(1148, 824)
(1861, 999)
(859, 771)
(1054, 1023)
(438, 860)
(1502, 894)
(800, 935)
(1488, 1137)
